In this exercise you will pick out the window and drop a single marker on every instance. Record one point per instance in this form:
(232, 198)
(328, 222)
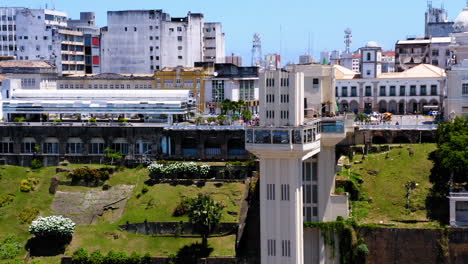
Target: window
(435, 62)
(402, 90)
(151, 27)
(74, 148)
(217, 90)
(413, 90)
(465, 89)
(179, 29)
(383, 91)
(179, 57)
(284, 192)
(125, 28)
(168, 83)
(433, 89)
(423, 90)
(246, 90)
(271, 244)
(392, 91)
(188, 83)
(28, 147)
(179, 38)
(354, 91)
(435, 52)
(151, 37)
(6, 147)
(179, 48)
(309, 195)
(270, 192)
(315, 83)
(368, 72)
(51, 148)
(96, 148)
(171, 29)
(286, 248)
(368, 56)
(135, 29)
(120, 147)
(344, 91)
(368, 91)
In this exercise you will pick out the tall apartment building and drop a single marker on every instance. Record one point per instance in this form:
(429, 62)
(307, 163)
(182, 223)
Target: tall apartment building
(92, 40)
(41, 34)
(143, 41)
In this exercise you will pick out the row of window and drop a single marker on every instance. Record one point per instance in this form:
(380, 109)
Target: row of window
(76, 148)
(105, 86)
(392, 92)
(8, 27)
(285, 248)
(270, 98)
(179, 29)
(247, 90)
(284, 82)
(8, 18)
(78, 48)
(284, 98)
(270, 114)
(66, 67)
(284, 114)
(271, 192)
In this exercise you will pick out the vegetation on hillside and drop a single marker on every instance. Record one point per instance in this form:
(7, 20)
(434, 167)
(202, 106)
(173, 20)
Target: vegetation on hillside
(450, 167)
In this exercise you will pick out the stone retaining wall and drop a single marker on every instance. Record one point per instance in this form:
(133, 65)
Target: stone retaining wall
(171, 228)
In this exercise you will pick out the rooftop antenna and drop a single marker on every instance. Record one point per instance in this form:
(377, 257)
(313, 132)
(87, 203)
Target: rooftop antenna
(308, 48)
(348, 40)
(257, 50)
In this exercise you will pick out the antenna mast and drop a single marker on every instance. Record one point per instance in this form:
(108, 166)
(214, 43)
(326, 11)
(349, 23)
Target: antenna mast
(348, 40)
(257, 50)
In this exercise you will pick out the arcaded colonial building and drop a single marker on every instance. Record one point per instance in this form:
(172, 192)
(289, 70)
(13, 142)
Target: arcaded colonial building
(417, 90)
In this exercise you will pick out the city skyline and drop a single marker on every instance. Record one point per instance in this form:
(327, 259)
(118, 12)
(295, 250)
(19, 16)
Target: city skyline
(290, 34)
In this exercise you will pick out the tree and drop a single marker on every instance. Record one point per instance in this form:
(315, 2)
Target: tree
(199, 120)
(205, 215)
(112, 155)
(226, 106)
(246, 115)
(450, 163)
(222, 119)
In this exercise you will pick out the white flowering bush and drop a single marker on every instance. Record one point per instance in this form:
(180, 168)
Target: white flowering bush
(52, 226)
(178, 170)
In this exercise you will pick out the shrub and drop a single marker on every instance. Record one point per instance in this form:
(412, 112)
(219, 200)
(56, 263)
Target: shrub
(81, 256)
(6, 199)
(88, 176)
(19, 119)
(28, 184)
(144, 189)
(10, 247)
(182, 208)
(36, 164)
(27, 215)
(92, 119)
(178, 170)
(52, 227)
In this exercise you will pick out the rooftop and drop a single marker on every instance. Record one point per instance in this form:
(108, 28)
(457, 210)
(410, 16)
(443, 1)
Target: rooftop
(25, 64)
(433, 40)
(419, 71)
(108, 76)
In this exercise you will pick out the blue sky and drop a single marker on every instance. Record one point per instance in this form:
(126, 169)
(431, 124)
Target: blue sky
(324, 20)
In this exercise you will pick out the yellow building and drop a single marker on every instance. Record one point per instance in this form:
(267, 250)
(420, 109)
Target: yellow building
(185, 78)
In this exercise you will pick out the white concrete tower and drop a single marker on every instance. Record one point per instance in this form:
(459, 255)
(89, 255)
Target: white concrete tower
(371, 60)
(282, 142)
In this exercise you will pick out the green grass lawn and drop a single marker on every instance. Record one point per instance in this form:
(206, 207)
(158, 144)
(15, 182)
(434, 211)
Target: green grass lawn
(105, 234)
(384, 184)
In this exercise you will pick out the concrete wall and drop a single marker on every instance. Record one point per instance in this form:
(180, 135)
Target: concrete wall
(184, 145)
(389, 246)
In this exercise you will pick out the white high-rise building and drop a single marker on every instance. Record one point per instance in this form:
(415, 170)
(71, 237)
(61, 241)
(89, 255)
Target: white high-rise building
(142, 41)
(41, 34)
(297, 168)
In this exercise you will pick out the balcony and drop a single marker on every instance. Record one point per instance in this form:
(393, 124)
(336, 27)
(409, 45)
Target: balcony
(291, 139)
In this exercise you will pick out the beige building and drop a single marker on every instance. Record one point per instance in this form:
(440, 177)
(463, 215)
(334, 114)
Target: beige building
(106, 81)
